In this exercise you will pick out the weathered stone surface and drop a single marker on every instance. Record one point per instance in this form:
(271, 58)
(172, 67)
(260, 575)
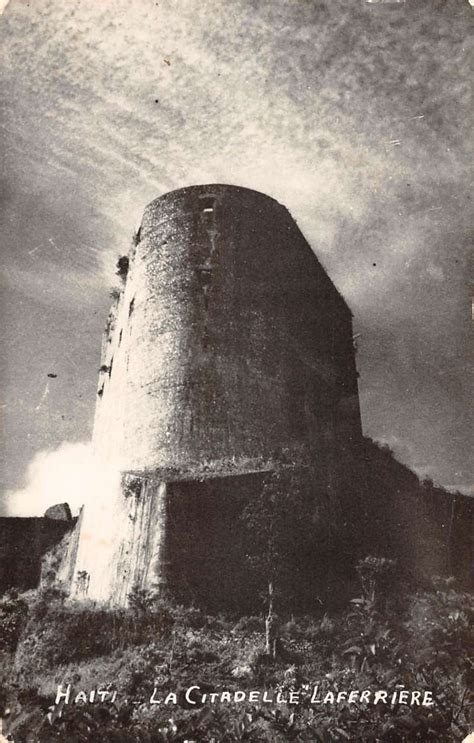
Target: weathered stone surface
(228, 351)
(229, 342)
(229, 354)
(60, 511)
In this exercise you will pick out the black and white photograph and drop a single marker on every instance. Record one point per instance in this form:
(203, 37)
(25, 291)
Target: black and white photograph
(236, 463)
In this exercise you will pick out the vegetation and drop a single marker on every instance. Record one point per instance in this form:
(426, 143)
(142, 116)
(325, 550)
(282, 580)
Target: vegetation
(13, 614)
(399, 631)
(122, 266)
(274, 521)
(390, 637)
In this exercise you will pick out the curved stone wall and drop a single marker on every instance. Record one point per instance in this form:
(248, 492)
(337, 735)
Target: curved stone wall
(229, 347)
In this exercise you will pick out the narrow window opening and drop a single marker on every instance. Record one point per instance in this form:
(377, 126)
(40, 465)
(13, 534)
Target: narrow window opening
(120, 337)
(208, 205)
(131, 307)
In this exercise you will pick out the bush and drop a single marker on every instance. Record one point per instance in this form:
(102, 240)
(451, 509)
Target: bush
(13, 615)
(421, 646)
(66, 634)
(141, 600)
(122, 267)
(250, 624)
(376, 575)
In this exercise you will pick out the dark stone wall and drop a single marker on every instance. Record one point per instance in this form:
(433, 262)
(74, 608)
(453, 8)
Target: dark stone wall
(385, 511)
(426, 528)
(433, 533)
(23, 543)
(205, 549)
(378, 507)
(208, 545)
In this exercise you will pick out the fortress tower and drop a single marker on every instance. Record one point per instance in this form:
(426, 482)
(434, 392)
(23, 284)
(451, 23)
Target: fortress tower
(227, 354)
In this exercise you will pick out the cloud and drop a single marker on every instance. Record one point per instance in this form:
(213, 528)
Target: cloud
(356, 119)
(68, 474)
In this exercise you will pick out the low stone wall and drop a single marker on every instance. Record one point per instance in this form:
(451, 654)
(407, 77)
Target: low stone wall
(23, 543)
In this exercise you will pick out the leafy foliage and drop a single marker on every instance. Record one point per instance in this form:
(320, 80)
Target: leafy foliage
(13, 613)
(69, 633)
(141, 600)
(389, 638)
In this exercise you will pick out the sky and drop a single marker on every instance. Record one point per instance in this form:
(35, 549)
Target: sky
(353, 113)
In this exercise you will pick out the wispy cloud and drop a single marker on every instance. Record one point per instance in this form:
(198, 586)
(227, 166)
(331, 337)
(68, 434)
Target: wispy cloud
(357, 120)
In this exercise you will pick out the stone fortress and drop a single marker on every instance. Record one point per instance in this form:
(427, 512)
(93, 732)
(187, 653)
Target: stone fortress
(228, 356)
(228, 352)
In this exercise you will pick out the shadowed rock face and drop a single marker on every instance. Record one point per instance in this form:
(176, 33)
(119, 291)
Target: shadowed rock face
(228, 352)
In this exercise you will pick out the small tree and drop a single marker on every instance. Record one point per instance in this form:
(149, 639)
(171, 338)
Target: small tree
(276, 522)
